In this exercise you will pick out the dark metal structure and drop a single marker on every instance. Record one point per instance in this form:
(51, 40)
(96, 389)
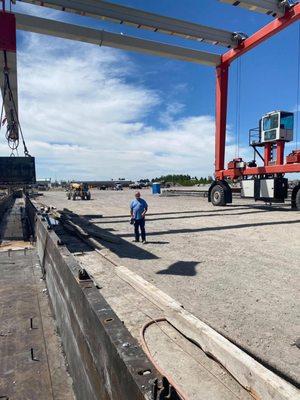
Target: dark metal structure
(17, 171)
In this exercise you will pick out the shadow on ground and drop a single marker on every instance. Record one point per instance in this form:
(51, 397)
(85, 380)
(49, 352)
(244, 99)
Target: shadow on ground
(182, 268)
(194, 215)
(230, 209)
(220, 228)
(223, 209)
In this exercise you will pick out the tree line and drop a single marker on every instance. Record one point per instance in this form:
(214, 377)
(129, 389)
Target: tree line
(183, 180)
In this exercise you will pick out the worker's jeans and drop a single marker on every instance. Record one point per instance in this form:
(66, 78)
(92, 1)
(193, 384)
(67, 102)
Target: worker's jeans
(139, 224)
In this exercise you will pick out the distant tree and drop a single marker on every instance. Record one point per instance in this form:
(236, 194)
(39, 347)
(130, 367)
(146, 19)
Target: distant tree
(181, 179)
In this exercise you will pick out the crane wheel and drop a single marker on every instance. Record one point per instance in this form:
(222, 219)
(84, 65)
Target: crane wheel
(218, 196)
(296, 198)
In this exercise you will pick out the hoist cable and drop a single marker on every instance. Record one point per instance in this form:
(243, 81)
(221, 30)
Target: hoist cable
(18, 122)
(12, 143)
(298, 89)
(2, 110)
(238, 107)
(2, 107)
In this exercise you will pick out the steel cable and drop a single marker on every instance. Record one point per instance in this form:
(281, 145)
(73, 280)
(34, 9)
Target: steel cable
(238, 106)
(298, 89)
(12, 142)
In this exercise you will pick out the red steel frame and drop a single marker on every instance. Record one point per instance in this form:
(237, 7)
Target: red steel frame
(7, 31)
(8, 44)
(291, 16)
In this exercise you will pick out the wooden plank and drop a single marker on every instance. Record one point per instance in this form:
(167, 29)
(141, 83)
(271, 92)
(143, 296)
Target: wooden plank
(259, 381)
(253, 376)
(156, 296)
(84, 229)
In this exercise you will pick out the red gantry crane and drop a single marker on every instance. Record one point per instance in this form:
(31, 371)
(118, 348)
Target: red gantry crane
(265, 182)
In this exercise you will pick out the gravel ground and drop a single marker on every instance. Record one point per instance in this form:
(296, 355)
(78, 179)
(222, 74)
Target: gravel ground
(234, 267)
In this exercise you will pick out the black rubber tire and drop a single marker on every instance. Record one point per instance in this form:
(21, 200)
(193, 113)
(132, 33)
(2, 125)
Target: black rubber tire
(218, 196)
(297, 200)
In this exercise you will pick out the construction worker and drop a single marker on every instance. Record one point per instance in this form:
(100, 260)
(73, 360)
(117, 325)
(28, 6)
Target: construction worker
(138, 209)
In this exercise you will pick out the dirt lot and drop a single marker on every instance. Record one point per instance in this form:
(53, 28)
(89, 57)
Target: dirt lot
(236, 267)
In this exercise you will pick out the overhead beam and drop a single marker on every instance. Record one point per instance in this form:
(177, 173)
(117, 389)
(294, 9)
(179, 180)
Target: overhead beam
(143, 20)
(276, 8)
(274, 27)
(103, 38)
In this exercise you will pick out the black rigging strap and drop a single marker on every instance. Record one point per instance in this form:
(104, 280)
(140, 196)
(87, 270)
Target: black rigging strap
(12, 123)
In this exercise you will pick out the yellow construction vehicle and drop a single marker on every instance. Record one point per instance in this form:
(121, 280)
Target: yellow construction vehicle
(80, 190)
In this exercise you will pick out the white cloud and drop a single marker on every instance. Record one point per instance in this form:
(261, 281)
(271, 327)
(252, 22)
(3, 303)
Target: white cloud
(84, 118)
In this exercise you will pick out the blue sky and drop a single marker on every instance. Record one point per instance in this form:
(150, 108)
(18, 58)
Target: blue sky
(148, 115)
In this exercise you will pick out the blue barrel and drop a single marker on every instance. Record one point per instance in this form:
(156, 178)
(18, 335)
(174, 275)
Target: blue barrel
(156, 188)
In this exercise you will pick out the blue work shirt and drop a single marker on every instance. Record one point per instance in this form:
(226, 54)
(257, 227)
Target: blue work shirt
(138, 206)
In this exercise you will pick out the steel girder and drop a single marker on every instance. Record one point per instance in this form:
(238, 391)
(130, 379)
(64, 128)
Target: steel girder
(276, 8)
(103, 38)
(143, 20)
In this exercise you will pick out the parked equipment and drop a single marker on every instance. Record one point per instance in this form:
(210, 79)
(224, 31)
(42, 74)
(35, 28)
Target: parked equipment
(80, 190)
(135, 185)
(118, 186)
(266, 183)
